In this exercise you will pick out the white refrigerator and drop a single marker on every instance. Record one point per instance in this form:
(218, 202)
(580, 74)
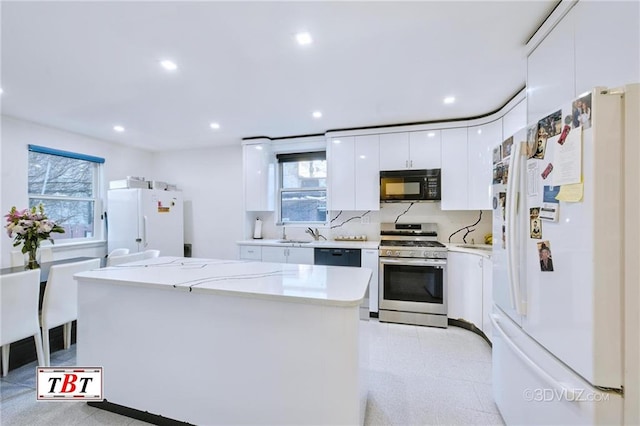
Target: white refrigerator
(558, 199)
(145, 219)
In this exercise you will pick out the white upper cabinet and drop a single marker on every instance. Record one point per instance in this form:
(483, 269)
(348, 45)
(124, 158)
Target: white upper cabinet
(425, 150)
(259, 177)
(394, 151)
(342, 177)
(514, 120)
(551, 71)
(410, 150)
(481, 140)
(606, 35)
(454, 173)
(354, 173)
(367, 173)
(467, 166)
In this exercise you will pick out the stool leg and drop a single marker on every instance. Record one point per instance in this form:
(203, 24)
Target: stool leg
(45, 348)
(39, 352)
(66, 331)
(5, 359)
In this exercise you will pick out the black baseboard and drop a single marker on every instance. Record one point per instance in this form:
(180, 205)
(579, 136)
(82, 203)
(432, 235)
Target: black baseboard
(143, 416)
(469, 326)
(373, 315)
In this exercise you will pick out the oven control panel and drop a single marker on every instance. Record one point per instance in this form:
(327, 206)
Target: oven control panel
(425, 254)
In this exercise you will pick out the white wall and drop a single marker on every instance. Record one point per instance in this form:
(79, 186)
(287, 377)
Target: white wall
(211, 182)
(16, 134)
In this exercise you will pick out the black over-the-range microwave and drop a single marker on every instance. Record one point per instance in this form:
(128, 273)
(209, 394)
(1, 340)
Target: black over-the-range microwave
(410, 185)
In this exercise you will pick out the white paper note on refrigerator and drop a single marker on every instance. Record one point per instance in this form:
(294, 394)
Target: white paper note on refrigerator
(567, 159)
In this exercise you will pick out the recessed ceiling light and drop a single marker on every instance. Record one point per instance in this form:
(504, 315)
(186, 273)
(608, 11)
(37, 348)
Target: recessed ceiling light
(449, 100)
(118, 129)
(479, 131)
(337, 141)
(363, 157)
(169, 65)
(317, 114)
(304, 38)
(215, 126)
(430, 134)
(259, 147)
(1, 91)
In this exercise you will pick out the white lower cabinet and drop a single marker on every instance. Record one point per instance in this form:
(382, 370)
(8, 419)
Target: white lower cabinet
(469, 289)
(487, 296)
(298, 255)
(369, 259)
(251, 253)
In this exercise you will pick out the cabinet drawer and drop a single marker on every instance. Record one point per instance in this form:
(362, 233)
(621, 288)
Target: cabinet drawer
(250, 252)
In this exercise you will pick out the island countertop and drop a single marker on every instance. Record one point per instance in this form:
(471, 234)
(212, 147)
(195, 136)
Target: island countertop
(311, 284)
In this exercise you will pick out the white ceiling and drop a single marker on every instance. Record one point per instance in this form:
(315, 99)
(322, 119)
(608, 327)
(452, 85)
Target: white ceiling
(87, 66)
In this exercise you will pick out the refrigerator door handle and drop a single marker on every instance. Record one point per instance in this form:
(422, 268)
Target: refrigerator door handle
(144, 232)
(560, 389)
(511, 224)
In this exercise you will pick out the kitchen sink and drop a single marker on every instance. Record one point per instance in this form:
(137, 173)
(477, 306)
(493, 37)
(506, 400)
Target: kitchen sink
(476, 247)
(294, 242)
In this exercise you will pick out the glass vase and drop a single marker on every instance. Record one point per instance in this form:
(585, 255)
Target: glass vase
(32, 263)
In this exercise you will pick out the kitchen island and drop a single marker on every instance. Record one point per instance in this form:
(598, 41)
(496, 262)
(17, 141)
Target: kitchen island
(227, 342)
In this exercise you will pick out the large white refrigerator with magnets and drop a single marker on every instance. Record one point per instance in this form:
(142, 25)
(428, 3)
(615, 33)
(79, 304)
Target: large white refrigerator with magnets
(145, 219)
(558, 260)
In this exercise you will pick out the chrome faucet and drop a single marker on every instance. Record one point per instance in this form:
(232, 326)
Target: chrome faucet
(315, 234)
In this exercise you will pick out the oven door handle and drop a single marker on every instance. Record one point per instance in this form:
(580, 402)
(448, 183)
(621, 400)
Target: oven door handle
(418, 262)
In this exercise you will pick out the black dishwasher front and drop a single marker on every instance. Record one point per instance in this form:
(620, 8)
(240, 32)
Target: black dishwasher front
(337, 257)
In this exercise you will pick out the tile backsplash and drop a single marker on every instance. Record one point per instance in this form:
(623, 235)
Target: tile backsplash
(357, 223)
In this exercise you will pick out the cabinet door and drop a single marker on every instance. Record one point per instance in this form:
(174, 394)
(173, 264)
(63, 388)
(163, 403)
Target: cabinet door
(454, 169)
(394, 151)
(274, 254)
(251, 253)
(472, 289)
(369, 259)
(300, 255)
(456, 271)
(551, 68)
(481, 142)
(367, 173)
(259, 177)
(487, 296)
(424, 150)
(341, 173)
(514, 120)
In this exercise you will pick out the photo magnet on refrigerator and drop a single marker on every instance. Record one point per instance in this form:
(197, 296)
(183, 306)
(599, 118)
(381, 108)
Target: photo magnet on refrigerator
(544, 253)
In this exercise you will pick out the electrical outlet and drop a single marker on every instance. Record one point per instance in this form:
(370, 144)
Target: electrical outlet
(365, 220)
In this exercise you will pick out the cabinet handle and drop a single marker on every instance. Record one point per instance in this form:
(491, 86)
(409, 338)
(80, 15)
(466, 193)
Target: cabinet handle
(411, 163)
(406, 163)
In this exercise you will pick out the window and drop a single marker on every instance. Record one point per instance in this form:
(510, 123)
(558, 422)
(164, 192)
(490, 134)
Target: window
(67, 185)
(303, 187)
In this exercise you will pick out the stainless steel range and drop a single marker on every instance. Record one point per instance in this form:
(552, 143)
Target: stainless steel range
(413, 279)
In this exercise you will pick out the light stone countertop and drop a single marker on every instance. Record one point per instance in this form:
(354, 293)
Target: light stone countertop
(312, 284)
(479, 249)
(365, 245)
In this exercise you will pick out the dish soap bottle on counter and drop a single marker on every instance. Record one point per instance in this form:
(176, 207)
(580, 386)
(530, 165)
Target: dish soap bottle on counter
(257, 230)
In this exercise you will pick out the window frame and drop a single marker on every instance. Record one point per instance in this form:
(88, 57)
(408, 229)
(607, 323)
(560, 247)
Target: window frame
(96, 188)
(298, 157)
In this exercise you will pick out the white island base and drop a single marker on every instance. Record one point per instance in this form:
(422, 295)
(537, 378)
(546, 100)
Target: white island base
(221, 342)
